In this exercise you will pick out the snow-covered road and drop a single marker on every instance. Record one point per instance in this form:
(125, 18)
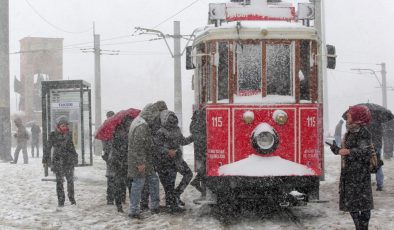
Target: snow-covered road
(26, 202)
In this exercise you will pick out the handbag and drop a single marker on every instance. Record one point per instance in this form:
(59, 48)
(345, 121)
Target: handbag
(375, 162)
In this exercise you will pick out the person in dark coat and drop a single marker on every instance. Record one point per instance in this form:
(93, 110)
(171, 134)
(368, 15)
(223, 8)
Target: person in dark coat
(375, 127)
(110, 174)
(198, 130)
(118, 161)
(21, 139)
(64, 159)
(169, 140)
(35, 139)
(161, 105)
(355, 191)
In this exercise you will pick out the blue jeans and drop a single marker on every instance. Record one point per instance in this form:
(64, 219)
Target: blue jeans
(379, 173)
(136, 189)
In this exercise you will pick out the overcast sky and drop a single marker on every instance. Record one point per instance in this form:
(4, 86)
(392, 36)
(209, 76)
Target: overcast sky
(360, 30)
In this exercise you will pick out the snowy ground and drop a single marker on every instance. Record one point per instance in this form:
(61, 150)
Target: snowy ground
(26, 202)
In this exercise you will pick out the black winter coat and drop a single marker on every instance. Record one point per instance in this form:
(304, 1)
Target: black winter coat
(355, 191)
(198, 130)
(64, 154)
(118, 157)
(169, 136)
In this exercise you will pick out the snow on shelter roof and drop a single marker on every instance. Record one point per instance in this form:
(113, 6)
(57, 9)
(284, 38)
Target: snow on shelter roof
(256, 30)
(255, 165)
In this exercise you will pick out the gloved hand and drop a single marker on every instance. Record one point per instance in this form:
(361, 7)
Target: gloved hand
(334, 147)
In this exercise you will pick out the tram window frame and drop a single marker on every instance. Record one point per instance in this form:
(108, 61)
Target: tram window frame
(305, 69)
(202, 74)
(279, 89)
(223, 71)
(258, 60)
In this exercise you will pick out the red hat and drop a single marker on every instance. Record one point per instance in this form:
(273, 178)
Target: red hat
(360, 114)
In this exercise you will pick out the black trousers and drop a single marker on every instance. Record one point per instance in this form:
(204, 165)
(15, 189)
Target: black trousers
(167, 176)
(35, 145)
(121, 185)
(361, 219)
(110, 188)
(69, 174)
(187, 175)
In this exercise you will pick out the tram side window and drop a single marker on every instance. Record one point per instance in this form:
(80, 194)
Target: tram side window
(305, 70)
(249, 69)
(202, 74)
(279, 80)
(223, 71)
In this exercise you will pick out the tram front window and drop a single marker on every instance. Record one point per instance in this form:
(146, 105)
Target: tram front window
(279, 80)
(249, 69)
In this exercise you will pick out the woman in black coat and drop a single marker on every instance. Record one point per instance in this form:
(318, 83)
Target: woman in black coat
(118, 161)
(63, 160)
(355, 191)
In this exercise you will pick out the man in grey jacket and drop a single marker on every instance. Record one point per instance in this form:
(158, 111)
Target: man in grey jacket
(21, 139)
(140, 161)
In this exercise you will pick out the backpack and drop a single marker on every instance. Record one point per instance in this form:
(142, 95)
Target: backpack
(375, 162)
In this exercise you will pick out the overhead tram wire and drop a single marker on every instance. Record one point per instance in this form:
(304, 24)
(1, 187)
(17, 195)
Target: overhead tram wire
(357, 63)
(53, 25)
(84, 44)
(135, 32)
(186, 7)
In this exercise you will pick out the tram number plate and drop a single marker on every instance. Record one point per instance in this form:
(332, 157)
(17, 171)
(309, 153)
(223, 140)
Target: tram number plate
(311, 121)
(217, 121)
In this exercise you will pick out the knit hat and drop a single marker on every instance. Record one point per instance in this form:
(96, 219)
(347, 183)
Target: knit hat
(360, 114)
(62, 120)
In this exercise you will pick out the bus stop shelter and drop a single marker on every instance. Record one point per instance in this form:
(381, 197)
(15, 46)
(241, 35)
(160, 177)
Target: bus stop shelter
(70, 98)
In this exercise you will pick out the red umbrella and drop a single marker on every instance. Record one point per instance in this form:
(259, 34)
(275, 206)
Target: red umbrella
(107, 129)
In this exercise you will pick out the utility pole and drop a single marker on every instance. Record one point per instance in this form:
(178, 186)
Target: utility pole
(98, 148)
(97, 89)
(177, 73)
(97, 82)
(382, 84)
(322, 63)
(177, 62)
(5, 118)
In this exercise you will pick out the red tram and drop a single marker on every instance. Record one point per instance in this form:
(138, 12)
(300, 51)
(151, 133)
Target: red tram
(256, 80)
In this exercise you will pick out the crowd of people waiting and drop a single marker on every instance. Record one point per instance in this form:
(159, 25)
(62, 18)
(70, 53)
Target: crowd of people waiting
(146, 151)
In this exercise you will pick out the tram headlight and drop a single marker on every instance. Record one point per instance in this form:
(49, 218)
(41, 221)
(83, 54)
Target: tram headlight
(280, 117)
(248, 117)
(264, 139)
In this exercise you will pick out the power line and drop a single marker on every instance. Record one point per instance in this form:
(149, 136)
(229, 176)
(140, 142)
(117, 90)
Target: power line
(53, 25)
(357, 63)
(165, 20)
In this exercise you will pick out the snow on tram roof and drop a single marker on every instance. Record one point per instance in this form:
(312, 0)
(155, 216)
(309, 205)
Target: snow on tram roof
(257, 30)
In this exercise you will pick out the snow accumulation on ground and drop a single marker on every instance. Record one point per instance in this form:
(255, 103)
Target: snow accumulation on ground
(26, 202)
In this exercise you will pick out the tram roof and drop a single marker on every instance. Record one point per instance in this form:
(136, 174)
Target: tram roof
(256, 30)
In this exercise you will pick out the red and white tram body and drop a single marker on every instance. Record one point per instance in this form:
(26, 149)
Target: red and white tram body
(257, 83)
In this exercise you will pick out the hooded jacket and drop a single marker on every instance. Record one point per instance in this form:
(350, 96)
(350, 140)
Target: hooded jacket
(168, 137)
(140, 142)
